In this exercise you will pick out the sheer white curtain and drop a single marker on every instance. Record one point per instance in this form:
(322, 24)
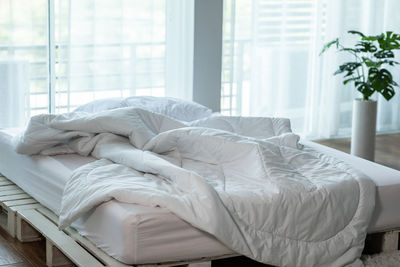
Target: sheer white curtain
(120, 48)
(58, 54)
(272, 66)
(23, 60)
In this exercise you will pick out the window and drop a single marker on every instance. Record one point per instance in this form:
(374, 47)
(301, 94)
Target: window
(23, 60)
(69, 52)
(271, 63)
(281, 30)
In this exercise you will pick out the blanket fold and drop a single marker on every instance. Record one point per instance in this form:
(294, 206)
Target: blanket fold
(247, 181)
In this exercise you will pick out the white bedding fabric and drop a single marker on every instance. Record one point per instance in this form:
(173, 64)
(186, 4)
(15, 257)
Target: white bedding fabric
(172, 107)
(130, 233)
(264, 198)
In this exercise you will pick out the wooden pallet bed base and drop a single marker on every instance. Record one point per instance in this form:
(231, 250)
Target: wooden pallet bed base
(27, 220)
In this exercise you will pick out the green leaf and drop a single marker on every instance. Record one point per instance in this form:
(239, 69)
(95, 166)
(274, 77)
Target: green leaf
(370, 63)
(348, 67)
(390, 62)
(382, 82)
(351, 79)
(384, 54)
(354, 50)
(366, 47)
(373, 37)
(365, 89)
(389, 41)
(388, 92)
(357, 32)
(377, 64)
(329, 44)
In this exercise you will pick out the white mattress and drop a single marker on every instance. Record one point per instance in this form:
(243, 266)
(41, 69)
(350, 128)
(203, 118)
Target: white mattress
(135, 234)
(130, 233)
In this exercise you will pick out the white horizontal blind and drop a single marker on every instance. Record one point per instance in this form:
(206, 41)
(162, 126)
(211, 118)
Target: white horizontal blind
(287, 22)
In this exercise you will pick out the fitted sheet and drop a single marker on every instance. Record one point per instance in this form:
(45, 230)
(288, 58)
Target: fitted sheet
(135, 234)
(131, 233)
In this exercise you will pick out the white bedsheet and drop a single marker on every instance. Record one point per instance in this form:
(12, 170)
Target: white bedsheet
(138, 234)
(257, 196)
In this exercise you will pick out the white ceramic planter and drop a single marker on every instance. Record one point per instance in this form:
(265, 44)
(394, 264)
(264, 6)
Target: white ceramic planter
(364, 129)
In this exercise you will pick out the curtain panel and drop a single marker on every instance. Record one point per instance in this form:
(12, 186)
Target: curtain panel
(272, 66)
(58, 54)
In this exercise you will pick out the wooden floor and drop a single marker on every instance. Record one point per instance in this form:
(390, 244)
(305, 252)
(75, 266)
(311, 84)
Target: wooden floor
(15, 254)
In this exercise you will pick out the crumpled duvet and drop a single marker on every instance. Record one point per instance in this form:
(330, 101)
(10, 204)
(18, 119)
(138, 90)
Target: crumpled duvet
(247, 181)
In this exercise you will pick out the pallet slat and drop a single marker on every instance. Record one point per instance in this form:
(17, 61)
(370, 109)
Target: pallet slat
(14, 197)
(7, 182)
(12, 216)
(8, 187)
(19, 202)
(25, 207)
(11, 192)
(62, 241)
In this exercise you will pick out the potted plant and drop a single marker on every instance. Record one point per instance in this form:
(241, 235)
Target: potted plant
(369, 74)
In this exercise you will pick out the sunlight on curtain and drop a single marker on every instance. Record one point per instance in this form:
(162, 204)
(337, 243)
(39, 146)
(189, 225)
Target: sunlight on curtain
(58, 54)
(23, 60)
(272, 67)
(121, 48)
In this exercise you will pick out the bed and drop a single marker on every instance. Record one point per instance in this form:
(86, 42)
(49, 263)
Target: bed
(148, 235)
(151, 235)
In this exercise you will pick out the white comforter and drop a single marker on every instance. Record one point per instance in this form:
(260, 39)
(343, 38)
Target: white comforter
(244, 180)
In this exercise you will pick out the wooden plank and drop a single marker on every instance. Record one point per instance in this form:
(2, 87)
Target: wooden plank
(14, 197)
(11, 192)
(8, 187)
(2, 178)
(200, 264)
(390, 241)
(3, 219)
(19, 202)
(63, 242)
(25, 207)
(54, 256)
(12, 216)
(11, 222)
(25, 232)
(6, 183)
(11, 195)
(49, 214)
